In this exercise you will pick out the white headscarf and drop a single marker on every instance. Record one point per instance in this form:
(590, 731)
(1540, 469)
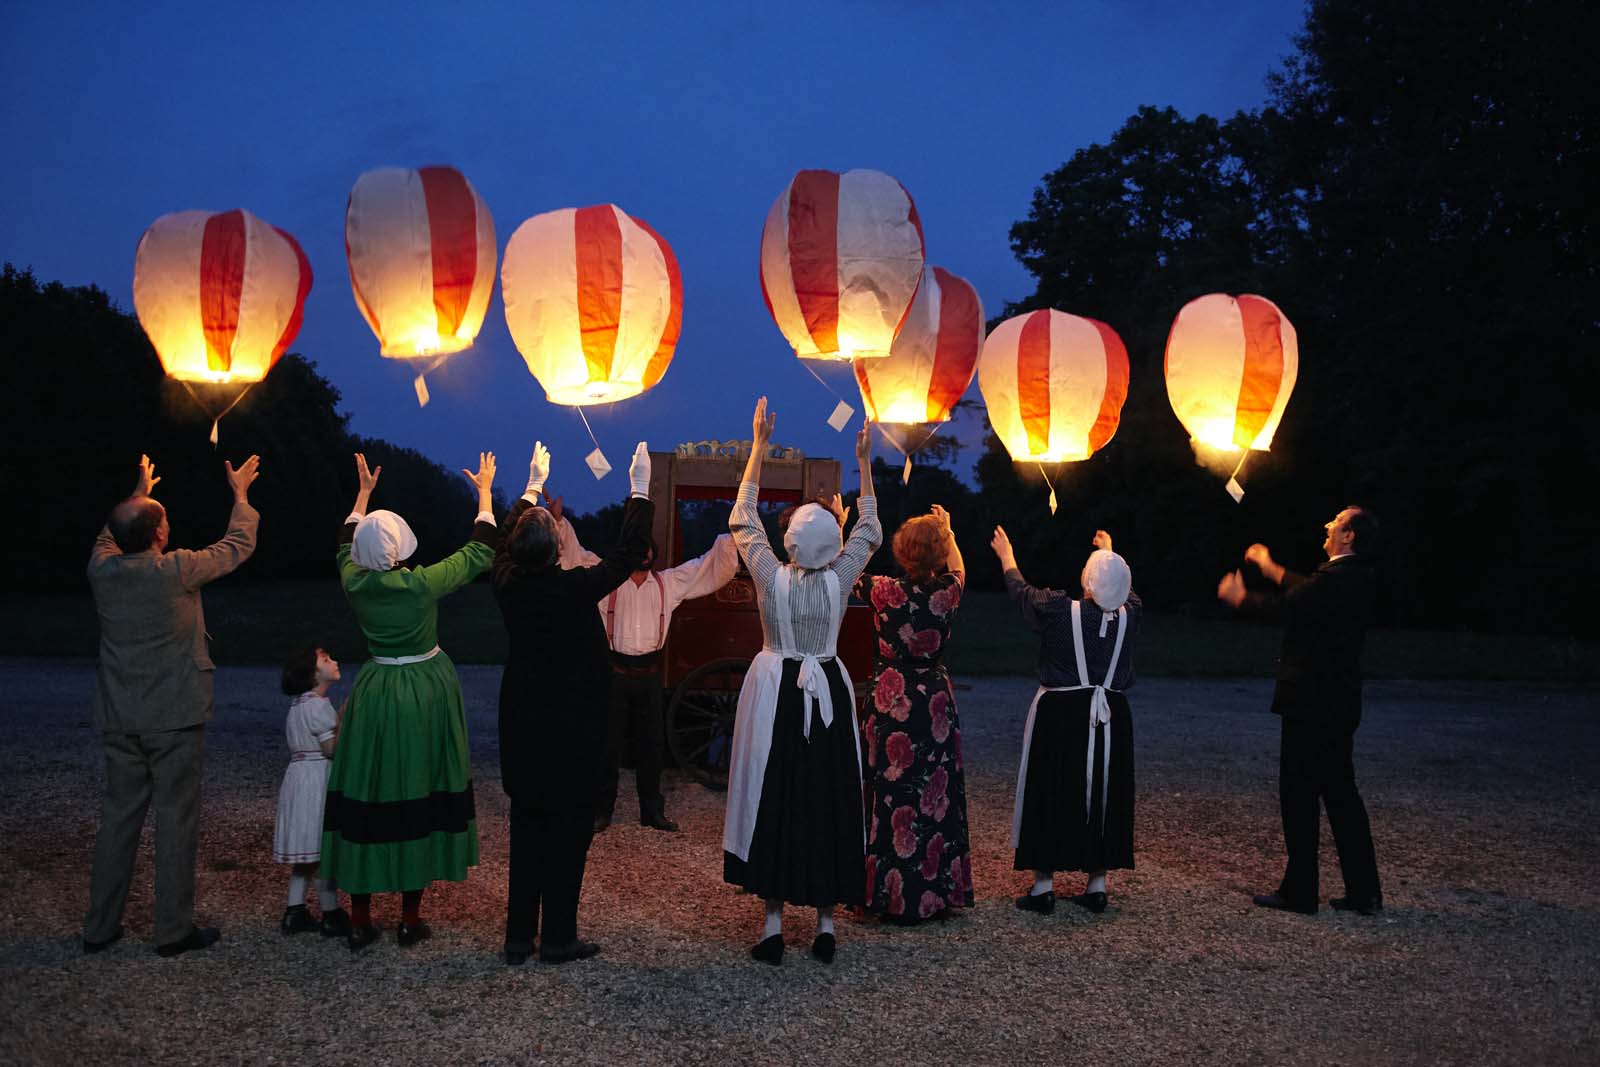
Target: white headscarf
(813, 538)
(1107, 579)
(382, 539)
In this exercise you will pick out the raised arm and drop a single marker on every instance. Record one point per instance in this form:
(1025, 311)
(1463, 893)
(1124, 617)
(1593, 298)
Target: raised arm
(573, 554)
(196, 568)
(105, 545)
(702, 575)
(476, 556)
(1037, 605)
(744, 521)
(634, 544)
(953, 562)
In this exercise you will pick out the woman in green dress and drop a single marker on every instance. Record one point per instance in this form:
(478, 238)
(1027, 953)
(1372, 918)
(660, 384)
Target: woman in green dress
(399, 811)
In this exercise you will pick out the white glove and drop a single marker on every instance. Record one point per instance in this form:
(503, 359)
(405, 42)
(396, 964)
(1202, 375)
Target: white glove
(538, 470)
(639, 472)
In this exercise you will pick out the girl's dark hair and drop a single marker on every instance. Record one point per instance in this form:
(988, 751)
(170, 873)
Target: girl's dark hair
(300, 672)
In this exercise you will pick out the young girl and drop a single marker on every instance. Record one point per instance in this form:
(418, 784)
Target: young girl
(312, 729)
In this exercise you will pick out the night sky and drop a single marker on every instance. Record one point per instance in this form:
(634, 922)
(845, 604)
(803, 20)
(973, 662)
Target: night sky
(693, 123)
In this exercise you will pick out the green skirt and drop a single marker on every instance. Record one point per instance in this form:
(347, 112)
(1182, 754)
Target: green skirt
(399, 811)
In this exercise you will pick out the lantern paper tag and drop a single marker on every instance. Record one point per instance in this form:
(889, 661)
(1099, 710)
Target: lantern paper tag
(905, 475)
(841, 415)
(1235, 490)
(1052, 501)
(422, 391)
(597, 463)
(214, 431)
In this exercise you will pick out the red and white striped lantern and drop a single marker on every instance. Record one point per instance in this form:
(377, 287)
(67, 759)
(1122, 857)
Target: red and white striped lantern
(422, 254)
(1231, 365)
(220, 296)
(594, 302)
(1054, 385)
(841, 259)
(931, 363)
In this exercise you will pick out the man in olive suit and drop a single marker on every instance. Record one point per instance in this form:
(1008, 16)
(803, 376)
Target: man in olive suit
(153, 696)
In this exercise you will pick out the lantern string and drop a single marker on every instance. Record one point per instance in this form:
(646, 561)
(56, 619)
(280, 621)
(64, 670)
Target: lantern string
(1240, 467)
(586, 426)
(218, 417)
(1047, 481)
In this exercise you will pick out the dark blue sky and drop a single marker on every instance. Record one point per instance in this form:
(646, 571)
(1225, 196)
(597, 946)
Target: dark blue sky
(693, 122)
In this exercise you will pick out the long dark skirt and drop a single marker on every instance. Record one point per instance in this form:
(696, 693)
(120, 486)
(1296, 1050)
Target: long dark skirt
(807, 847)
(1057, 834)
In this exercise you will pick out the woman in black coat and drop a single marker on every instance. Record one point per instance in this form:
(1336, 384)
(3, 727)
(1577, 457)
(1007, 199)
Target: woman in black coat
(553, 701)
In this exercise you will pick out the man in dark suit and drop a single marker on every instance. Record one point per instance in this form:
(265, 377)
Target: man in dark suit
(153, 697)
(1318, 694)
(553, 708)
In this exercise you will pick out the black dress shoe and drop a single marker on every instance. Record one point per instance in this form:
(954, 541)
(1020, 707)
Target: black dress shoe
(601, 823)
(1360, 905)
(297, 920)
(658, 821)
(101, 946)
(199, 937)
(822, 948)
(1095, 902)
(336, 923)
(360, 937)
(516, 957)
(770, 950)
(578, 950)
(1277, 903)
(408, 934)
(1038, 903)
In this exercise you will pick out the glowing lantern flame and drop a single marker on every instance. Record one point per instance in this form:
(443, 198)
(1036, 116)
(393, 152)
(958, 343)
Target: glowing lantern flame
(594, 302)
(911, 391)
(1054, 385)
(1231, 365)
(422, 254)
(220, 296)
(841, 259)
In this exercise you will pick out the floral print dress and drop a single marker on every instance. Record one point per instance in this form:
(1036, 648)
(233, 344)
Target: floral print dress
(918, 859)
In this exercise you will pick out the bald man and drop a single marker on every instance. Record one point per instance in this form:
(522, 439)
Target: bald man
(152, 700)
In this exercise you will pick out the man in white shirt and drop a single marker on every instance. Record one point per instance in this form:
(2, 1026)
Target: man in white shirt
(637, 616)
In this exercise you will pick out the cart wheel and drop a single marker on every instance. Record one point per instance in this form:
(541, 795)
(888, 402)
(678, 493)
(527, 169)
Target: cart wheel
(700, 720)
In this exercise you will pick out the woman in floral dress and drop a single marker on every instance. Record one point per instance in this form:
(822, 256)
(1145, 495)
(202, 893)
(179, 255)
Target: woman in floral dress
(918, 862)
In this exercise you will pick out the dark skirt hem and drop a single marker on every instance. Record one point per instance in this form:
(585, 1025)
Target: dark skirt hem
(1057, 833)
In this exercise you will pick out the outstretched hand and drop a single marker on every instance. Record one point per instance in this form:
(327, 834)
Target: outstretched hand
(1002, 548)
(864, 443)
(1231, 589)
(366, 479)
(639, 471)
(761, 425)
(147, 477)
(1102, 540)
(553, 505)
(944, 517)
(835, 504)
(483, 478)
(240, 479)
(538, 468)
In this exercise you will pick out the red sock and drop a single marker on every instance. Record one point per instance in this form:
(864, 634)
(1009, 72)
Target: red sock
(360, 909)
(411, 906)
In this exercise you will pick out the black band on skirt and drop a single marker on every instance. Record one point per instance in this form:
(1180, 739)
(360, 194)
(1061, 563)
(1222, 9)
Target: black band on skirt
(1057, 834)
(379, 822)
(807, 847)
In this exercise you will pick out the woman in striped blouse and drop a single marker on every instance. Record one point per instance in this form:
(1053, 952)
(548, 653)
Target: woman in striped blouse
(794, 830)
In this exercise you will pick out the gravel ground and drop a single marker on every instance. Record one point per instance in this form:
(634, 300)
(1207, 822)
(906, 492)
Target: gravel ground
(1485, 809)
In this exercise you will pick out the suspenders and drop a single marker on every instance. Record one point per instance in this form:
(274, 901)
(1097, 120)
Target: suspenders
(661, 623)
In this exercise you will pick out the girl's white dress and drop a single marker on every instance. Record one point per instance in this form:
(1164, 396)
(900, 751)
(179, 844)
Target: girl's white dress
(298, 838)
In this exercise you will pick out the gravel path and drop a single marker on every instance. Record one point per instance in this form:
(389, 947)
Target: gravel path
(1485, 803)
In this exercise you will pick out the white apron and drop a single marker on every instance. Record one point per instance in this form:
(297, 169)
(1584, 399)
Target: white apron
(758, 706)
(1099, 715)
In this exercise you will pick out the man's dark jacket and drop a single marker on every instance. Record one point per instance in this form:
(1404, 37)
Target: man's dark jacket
(557, 681)
(1325, 618)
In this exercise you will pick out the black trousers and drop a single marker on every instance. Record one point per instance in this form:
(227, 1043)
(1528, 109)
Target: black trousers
(635, 701)
(1316, 767)
(548, 853)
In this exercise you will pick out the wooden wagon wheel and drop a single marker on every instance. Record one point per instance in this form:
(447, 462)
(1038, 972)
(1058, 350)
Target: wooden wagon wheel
(700, 719)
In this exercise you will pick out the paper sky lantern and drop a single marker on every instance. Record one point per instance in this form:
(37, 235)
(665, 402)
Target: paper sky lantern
(931, 363)
(221, 295)
(594, 301)
(421, 249)
(841, 258)
(1054, 385)
(1231, 365)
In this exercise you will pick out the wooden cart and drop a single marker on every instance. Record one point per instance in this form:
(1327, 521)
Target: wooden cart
(711, 640)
